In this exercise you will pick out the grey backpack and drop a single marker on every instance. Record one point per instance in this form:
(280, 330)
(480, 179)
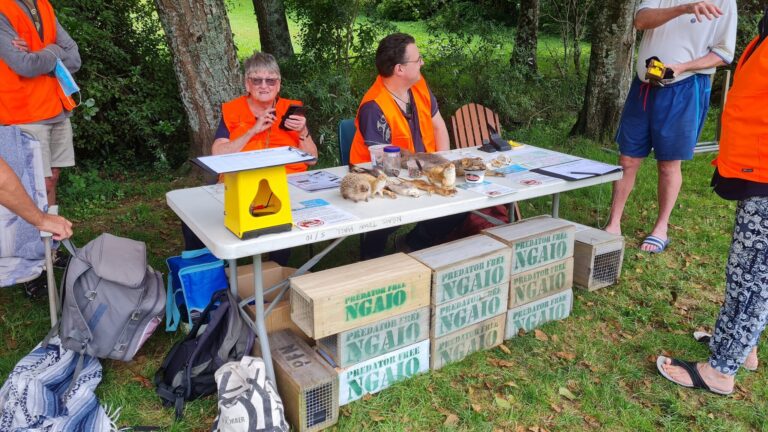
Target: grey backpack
(113, 300)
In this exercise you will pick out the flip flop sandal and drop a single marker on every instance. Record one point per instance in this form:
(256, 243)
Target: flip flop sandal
(657, 242)
(696, 379)
(704, 337)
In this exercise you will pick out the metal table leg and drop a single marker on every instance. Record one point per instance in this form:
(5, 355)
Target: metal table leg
(555, 205)
(261, 328)
(233, 277)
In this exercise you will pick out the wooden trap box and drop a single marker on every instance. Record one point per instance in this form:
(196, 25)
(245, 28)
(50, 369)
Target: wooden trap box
(458, 314)
(354, 346)
(347, 297)
(280, 316)
(536, 241)
(534, 314)
(459, 344)
(464, 266)
(308, 386)
(540, 282)
(597, 258)
(378, 373)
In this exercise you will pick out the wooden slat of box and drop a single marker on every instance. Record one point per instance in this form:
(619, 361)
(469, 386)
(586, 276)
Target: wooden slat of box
(534, 314)
(598, 257)
(457, 345)
(464, 266)
(540, 282)
(307, 385)
(343, 298)
(380, 372)
(536, 241)
(455, 315)
(354, 346)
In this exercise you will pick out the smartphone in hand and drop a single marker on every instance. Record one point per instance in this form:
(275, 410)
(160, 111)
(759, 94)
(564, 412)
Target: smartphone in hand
(292, 110)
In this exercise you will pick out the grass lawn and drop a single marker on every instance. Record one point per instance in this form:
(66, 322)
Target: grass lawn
(592, 371)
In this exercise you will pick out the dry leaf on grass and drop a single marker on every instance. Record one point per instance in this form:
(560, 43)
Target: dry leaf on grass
(477, 408)
(510, 384)
(501, 363)
(375, 416)
(502, 403)
(367, 397)
(451, 420)
(540, 335)
(565, 355)
(555, 408)
(505, 349)
(564, 392)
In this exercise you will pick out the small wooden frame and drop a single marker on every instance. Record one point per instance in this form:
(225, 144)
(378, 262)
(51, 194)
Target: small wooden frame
(464, 266)
(477, 337)
(307, 385)
(536, 241)
(540, 282)
(597, 258)
(529, 316)
(357, 345)
(465, 311)
(354, 295)
(378, 373)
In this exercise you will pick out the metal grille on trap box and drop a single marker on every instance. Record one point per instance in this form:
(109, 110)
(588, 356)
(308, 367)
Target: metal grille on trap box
(308, 387)
(597, 258)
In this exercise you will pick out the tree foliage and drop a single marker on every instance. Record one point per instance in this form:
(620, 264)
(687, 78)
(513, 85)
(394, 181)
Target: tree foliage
(131, 108)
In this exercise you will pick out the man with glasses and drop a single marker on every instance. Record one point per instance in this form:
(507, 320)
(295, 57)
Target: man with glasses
(399, 109)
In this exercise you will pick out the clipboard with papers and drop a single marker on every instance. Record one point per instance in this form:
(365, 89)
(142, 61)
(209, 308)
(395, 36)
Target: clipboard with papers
(578, 169)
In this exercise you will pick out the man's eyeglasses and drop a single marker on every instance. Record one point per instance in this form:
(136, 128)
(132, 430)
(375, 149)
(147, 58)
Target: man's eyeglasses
(418, 60)
(268, 81)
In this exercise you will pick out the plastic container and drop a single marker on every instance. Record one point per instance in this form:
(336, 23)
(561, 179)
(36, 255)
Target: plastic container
(392, 160)
(377, 154)
(474, 176)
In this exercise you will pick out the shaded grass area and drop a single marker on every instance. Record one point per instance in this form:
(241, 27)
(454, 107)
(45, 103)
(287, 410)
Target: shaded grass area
(593, 371)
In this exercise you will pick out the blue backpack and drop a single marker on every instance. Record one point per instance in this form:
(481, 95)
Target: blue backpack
(193, 277)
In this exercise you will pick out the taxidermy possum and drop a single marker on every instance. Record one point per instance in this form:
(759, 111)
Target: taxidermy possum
(438, 170)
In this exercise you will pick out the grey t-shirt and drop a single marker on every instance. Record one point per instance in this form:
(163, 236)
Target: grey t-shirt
(32, 64)
(684, 39)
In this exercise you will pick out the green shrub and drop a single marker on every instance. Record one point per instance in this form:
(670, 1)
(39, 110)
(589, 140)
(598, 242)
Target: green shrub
(132, 110)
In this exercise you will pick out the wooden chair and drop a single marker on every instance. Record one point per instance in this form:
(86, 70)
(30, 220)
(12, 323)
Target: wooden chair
(470, 125)
(470, 128)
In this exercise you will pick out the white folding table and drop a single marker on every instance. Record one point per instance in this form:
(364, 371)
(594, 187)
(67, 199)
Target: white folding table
(202, 209)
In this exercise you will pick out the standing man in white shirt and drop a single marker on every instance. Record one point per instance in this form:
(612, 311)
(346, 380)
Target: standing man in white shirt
(691, 39)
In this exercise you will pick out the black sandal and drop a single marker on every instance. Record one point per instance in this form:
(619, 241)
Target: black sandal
(693, 372)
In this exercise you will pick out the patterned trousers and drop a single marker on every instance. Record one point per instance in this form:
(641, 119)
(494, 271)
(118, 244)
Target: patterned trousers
(744, 313)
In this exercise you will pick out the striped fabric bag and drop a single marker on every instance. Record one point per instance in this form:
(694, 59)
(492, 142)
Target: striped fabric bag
(35, 396)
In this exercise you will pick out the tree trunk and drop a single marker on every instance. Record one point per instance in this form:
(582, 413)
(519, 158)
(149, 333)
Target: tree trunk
(610, 70)
(205, 62)
(524, 52)
(273, 28)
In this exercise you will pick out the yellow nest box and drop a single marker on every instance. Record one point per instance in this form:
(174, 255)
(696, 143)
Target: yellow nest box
(256, 198)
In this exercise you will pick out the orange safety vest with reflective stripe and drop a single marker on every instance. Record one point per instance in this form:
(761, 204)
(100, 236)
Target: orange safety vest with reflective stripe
(29, 100)
(238, 119)
(400, 130)
(744, 135)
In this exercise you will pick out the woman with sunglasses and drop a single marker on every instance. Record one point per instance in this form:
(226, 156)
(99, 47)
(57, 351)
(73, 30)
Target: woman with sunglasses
(252, 121)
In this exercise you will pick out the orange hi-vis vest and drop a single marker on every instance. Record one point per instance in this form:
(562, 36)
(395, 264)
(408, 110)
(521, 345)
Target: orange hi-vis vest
(744, 134)
(398, 124)
(239, 119)
(29, 100)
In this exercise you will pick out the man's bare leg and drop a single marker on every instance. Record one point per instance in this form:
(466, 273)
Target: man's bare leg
(50, 185)
(670, 181)
(621, 190)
